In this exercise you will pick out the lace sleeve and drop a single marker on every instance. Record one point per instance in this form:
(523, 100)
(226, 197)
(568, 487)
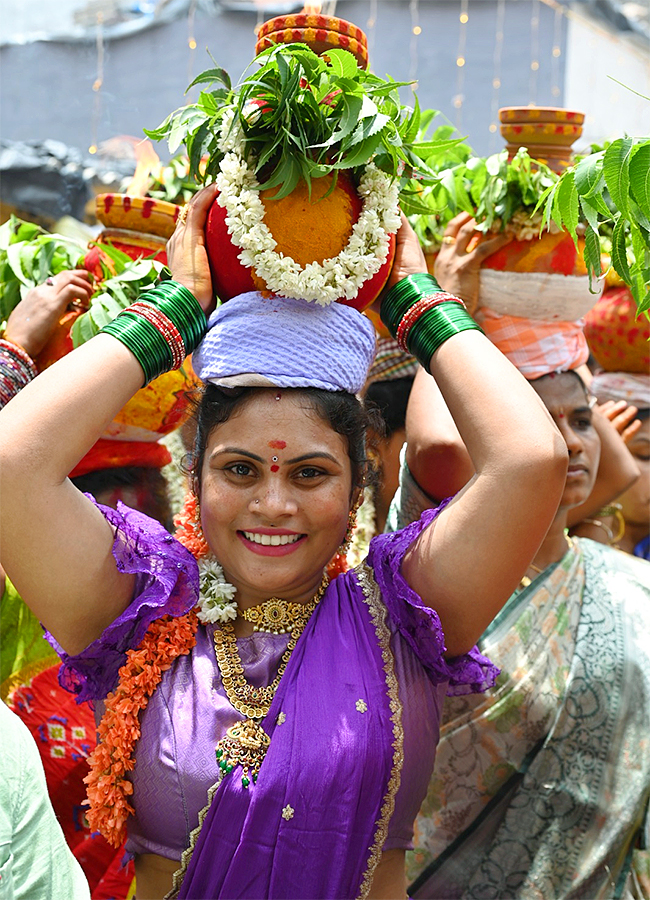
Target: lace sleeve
(418, 624)
(167, 583)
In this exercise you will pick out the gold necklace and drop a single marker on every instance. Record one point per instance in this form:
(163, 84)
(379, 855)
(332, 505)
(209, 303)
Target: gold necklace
(245, 743)
(278, 616)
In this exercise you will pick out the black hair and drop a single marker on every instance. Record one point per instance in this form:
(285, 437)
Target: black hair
(344, 412)
(146, 478)
(391, 398)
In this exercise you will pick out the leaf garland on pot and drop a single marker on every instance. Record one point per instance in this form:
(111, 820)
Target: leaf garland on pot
(608, 192)
(500, 195)
(304, 116)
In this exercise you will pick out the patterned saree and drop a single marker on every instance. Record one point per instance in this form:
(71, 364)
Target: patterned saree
(541, 785)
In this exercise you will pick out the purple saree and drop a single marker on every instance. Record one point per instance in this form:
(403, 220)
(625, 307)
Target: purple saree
(315, 823)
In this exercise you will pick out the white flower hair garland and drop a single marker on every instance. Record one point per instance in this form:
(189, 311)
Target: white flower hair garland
(338, 277)
(217, 597)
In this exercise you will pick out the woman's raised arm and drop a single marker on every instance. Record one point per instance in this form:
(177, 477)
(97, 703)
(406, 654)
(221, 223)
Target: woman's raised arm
(469, 563)
(54, 544)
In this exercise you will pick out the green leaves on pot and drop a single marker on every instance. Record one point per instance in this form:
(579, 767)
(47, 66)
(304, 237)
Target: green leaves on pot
(29, 255)
(610, 188)
(304, 116)
(124, 281)
(490, 189)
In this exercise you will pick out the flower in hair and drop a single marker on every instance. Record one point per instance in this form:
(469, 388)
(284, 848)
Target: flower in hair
(217, 603)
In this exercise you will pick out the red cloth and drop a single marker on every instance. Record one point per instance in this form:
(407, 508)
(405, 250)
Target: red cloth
(107, 454)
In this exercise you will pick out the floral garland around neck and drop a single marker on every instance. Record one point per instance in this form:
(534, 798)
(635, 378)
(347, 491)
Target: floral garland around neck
(340, 276)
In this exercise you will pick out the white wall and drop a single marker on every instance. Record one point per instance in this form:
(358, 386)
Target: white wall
(593, 54)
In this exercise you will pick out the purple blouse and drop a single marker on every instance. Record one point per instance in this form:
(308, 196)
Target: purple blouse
(189, 711)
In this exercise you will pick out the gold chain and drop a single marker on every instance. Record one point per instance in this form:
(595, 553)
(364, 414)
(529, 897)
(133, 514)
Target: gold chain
(245, 743)
(252, 701)
(280, 616)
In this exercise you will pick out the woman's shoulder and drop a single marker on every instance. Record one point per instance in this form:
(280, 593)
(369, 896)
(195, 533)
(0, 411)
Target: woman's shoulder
(166, 584)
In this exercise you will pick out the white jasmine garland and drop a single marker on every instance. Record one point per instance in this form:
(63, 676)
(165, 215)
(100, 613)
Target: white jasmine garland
(339, 277)
(216, 603)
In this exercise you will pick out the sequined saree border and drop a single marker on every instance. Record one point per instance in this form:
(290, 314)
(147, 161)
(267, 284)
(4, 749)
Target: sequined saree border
(180, 873)
(378, 614)
(377, 610)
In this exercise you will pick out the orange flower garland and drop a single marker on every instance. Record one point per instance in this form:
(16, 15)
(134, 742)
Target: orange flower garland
(112, 759)
(108, 786)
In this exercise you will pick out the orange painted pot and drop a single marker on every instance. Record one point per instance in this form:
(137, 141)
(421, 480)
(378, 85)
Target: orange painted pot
(542, 278)
(547, 132)
(320, 33)
(552, 253)
(306, 229)
(617, 336)
(139, 226)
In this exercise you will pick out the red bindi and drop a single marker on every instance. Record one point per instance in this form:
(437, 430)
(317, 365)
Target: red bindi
(275, 468)
(277, 445)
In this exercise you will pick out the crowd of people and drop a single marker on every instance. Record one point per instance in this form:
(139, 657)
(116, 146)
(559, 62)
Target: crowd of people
(398, 642)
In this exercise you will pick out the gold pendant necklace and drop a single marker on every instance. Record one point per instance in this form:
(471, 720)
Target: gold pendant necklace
(245, 743)
(281, 616)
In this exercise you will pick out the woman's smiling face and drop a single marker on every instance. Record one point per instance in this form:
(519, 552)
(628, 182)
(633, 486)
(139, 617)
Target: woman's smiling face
(275, 496)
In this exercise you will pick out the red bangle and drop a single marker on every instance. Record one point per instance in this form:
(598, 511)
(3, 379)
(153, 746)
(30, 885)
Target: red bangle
(165, 327)
(419, 307)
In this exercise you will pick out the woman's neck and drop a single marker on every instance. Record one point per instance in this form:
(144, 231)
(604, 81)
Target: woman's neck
(554, 545)
(632, 535)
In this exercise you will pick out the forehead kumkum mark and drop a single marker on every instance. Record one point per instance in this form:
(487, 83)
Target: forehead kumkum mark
(277, 445)
(275, 468)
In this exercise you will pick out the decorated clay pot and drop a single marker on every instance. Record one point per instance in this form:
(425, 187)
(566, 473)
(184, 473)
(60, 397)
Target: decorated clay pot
(306, 229)
(618, 337)
(139, 226)
(320, 33)
(542, 278)
(547, 132)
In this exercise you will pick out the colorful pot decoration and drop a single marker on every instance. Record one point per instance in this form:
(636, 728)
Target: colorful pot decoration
(618, 337)
(139, 226)
(547, 132)
(321, 33)
(307, 229)
(539, 277)
(312, 158)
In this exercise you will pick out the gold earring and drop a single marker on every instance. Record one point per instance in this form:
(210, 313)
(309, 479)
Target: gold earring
(352, 524)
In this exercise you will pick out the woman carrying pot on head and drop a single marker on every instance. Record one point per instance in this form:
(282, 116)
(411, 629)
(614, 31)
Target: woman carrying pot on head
(273, 734)
(541, 784)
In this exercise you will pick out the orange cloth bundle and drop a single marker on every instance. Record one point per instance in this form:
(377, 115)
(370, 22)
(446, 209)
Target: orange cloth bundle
(107, 454)
(536, 347)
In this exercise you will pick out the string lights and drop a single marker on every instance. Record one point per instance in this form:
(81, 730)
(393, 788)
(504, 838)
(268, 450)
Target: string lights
(191, 40)
(460, 62)
(97, 85)
(556, 53)
(371, 29)
(496, 72)
(416, 31)
(534, 53)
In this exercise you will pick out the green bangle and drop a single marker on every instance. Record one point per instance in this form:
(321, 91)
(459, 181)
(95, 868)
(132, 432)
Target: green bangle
(144, 341)
(181, 306)
(434, 326)
(403, 295)
(179, 319)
